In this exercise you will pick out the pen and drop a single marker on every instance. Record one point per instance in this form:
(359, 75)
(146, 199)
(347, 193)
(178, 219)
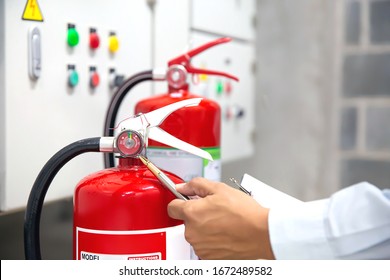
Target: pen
(164, 179)
(241, 188)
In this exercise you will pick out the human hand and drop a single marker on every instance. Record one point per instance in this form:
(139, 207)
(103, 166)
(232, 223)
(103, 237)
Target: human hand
(223, 223)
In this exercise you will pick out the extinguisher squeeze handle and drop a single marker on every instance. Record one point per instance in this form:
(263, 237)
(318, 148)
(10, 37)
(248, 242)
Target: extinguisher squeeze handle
(185, 59)
(148, 126)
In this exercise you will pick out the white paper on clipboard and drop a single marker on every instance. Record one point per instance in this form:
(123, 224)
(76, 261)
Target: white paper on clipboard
(267, 196)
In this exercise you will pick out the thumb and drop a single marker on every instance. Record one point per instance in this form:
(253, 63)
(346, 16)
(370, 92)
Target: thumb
(175, 209)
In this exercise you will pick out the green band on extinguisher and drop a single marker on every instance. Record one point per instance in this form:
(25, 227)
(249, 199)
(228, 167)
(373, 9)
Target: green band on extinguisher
(214, 152)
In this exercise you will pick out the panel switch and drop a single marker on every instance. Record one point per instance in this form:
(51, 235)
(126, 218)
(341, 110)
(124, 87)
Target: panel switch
(94, 78)
(94, 40)
(73, 76)
(72, 35)
(113, 42)
(34, 53)
(114, 79)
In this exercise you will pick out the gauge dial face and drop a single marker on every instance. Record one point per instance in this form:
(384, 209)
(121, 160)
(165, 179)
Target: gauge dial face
(129, 143)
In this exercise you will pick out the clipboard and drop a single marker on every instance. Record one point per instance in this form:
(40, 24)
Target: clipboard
(266, 195)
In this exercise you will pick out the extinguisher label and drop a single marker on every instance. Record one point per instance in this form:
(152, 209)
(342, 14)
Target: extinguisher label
(157, 244)
(93, 256)
(186, 165)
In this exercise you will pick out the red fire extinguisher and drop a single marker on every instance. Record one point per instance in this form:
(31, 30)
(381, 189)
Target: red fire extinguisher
(199, 126)
(120, 212)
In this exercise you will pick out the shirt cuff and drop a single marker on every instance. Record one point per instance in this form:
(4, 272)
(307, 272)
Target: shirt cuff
(299, 232)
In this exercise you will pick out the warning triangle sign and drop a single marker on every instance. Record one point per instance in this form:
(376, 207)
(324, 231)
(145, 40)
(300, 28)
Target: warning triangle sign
(32, 11)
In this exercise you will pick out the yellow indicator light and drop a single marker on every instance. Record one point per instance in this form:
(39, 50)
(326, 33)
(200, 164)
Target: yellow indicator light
(113, 43)
(203, 77)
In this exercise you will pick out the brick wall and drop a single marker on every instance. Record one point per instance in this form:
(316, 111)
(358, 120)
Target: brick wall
(364, 95)
(323, 96)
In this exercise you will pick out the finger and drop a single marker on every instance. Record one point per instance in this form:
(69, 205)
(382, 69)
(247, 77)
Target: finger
(201, 187)
(175, 209)
(185, 189)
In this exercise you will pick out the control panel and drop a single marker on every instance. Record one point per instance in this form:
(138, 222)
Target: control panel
(60, 64)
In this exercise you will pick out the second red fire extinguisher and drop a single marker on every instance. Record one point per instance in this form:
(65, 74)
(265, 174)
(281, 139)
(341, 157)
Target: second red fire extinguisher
(199, 126)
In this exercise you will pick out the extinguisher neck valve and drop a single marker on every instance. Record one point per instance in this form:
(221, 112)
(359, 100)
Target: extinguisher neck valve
(136, 131)
(129, 162)
(177, 77)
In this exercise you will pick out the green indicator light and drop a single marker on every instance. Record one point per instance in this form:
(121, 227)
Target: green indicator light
(73, 37)
(219, 87)
(73, 78)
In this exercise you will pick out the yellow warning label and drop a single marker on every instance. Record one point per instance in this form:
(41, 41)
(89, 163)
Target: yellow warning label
(32, 11)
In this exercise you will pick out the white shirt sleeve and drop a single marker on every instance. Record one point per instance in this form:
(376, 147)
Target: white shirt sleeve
(354, 223)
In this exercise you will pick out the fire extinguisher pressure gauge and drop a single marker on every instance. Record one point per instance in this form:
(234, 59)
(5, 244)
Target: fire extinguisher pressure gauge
(177, 76)
(129, 143)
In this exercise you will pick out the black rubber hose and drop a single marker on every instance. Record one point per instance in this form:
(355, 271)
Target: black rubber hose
(116, 101)
(41, 185)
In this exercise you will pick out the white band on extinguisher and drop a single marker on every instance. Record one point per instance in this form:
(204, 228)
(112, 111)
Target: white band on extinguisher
(162, 243)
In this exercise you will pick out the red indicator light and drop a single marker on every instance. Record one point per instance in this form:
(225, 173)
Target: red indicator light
(94, 79)
(94, 40)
